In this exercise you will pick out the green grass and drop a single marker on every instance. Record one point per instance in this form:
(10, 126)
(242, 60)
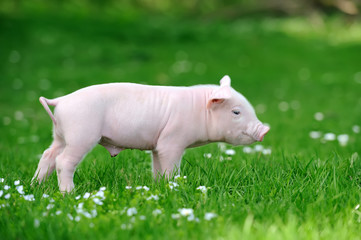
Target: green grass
(305, 189)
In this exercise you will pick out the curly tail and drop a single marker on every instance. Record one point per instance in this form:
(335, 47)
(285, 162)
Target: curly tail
(52, 102)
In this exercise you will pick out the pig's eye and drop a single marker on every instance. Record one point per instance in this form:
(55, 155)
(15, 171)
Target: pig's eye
(236, 112)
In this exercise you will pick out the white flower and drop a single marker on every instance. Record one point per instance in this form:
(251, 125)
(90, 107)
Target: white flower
(138, 187)
(50, 206)
(77, 197)
(315, 134)
(29, 197)
(58, 212)
(142, 217)
(343, 139)
(100, 194)
(1, 193)
(156, 212)
(6, 187)
(132, 211)
(102, 188)
(203, 189)
(247, 150)
(86, 195)
(20, 189)
(128, 187)
(185, 211)
(70, 217)
(209, 216)
(357, 206)
(7, 196)
(45, 195)
(176, 177)
(97, 201)
(146, 188)
(191, 218)
(87, 215)
(17, 182)
(319, 116)
(175, 216)
(155, 197)
(80, 206)
(230, 152)
(77, 218)
(283, 106)
(207, 155)
(2, 180)
(355, 129)
(36, 223)
(329, 136)
(173, 185)
(258, 148)
(51, 200)
(94, 213)
(266, 151)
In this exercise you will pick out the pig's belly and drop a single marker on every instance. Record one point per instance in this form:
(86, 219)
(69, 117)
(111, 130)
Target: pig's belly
(130, 135)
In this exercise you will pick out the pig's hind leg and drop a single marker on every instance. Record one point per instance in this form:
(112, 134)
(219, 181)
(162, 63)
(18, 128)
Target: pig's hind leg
(67, 161)
(47, 162)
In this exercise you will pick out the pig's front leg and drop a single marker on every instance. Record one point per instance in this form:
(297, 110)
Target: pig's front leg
(165, 159)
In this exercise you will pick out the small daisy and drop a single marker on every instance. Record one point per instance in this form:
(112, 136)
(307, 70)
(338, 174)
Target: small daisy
(156, 212)
(319, 116)
(131, 211)
(97, 201)
(20, 189)
(329, 137)
(230, 152)
(185, 211)
(247, 150)
(86, 195)
(203, 189)
(315, 134)
(210, 216)
(155, 197)
(343, 139)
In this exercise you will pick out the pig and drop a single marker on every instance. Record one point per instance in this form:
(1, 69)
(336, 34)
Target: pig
(163, 119)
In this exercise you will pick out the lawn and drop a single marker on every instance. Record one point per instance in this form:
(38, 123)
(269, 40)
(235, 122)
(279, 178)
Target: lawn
(303, 76)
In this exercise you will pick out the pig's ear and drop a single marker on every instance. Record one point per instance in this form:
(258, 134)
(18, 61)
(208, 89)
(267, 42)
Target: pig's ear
(219, 96)
(225, 81)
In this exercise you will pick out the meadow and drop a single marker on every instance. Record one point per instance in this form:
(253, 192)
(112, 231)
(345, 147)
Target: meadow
(303, 76)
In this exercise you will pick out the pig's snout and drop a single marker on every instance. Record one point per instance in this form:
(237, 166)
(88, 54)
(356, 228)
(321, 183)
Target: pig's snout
(261, 132)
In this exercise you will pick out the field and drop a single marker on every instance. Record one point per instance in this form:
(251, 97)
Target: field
(303, 76)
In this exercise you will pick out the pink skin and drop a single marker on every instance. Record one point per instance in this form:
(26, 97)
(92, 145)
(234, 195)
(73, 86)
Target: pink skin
(163, 119)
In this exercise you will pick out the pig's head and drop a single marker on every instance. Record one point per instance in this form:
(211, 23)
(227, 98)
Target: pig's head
(233, 117)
